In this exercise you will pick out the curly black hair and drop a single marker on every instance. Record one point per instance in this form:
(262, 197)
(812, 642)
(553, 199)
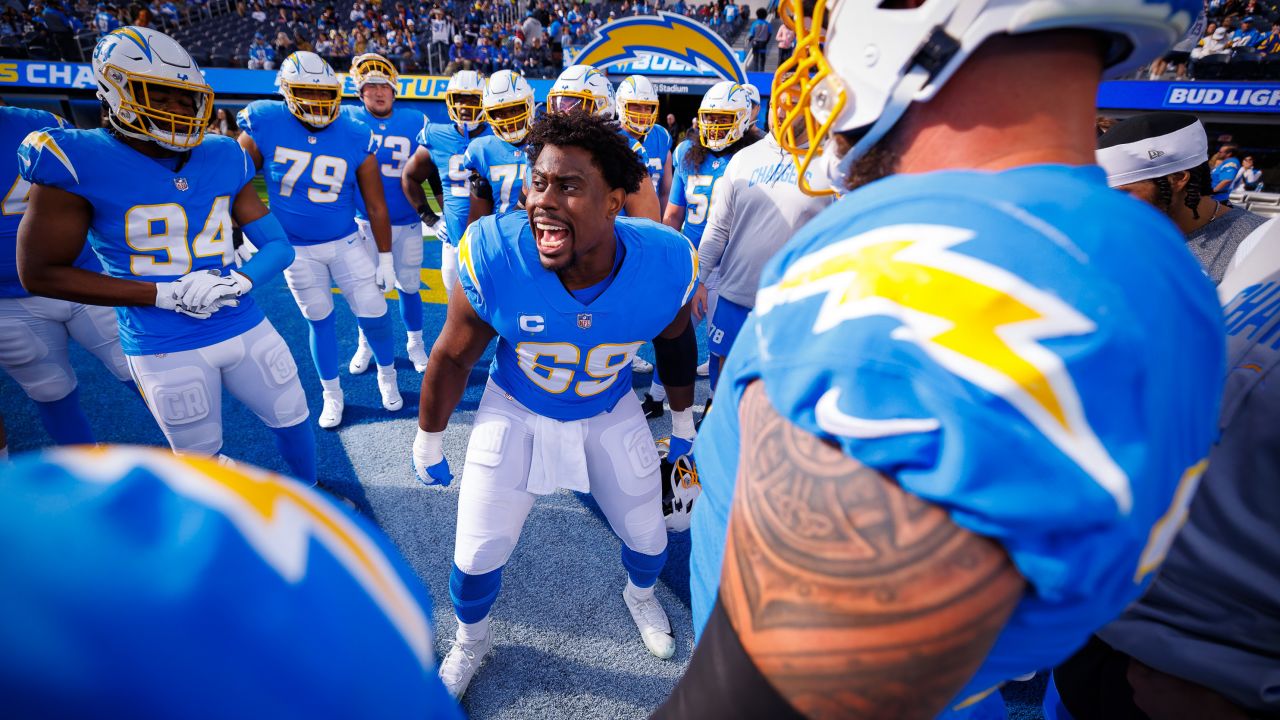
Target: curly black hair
(1199, 184)
(599, 136)
(697, 152)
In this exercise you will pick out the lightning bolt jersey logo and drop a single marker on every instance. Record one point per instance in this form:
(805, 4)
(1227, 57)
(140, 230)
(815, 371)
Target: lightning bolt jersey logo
(978, 321)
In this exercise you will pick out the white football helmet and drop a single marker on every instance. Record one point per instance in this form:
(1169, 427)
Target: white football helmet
(722, 116)
(305, 72)
(680, 487)
(637, 104)
(373, 69)
(131, 65)
(580, 87)
(753, 106)
(508, 105)
(858, 64)
(464, 97)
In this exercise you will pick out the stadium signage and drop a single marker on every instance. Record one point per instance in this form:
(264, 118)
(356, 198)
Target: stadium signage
(1223, 97)
(1245, 96)
(46, 74)
(665, 43)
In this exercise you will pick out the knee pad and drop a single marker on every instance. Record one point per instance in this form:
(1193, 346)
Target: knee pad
(409, 280)
(367, 301)
(43, 376)
(279, 373)
(179, 396)
(308, 280)
(19, 345)
(677, 358)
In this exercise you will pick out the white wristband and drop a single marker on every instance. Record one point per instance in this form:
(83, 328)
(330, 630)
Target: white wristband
(430, 443)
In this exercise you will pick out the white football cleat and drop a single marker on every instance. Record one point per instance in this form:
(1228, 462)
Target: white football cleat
(640, 365)
(331, 414)
(417, 356)
(360, 361)
(460, 665)
(704, 370)
(390, 389)
(651, 620)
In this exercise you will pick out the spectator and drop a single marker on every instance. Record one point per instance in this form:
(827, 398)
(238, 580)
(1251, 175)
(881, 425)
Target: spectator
(104, 20)
(672, 128)
(531, 28)
(260, 56)
(1269, 44)
(786, 38)
(483, 56)
(300, 42)
(1225, 165)
(324, 46)
(1246, 37)
(1162, 158)
(259, 14)
(1249, 178)
(759, 37)
(1212, 45)
(283, 45)
(1180, 54)
(460, 56)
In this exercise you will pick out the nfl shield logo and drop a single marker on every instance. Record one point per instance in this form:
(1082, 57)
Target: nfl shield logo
(180, 183)
(311, 139)
(584, 321)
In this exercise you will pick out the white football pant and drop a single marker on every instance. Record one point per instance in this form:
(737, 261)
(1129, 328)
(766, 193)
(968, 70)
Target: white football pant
(33, 343)
(316, 267)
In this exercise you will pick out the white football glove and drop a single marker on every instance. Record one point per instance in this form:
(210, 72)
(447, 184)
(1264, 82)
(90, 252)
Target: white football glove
(441, 230)
(244, 252)
(169, 297)
(429, 462)
(207, 291)
(385, 275)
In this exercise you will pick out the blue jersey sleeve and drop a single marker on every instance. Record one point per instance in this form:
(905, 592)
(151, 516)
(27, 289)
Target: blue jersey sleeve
(474, 271)
(42, 160)
(676, 196)
(931, 358)
(474, 158)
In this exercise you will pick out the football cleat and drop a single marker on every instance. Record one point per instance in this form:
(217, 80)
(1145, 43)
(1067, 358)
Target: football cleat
(362, 357)
(640, 365)
(331, 414)
(680, 486)
(653, 409)
(704, 369)
(389, 388)
(651, 621)
(417, 356)
(461, 663)
(133, 67)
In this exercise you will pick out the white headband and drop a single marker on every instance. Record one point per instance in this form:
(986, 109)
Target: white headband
(1155, 157)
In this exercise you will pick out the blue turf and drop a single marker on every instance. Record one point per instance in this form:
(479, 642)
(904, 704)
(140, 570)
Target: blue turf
(566, 645)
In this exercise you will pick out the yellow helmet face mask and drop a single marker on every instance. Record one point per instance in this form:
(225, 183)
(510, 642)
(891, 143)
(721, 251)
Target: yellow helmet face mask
(797, 81)
(464, 107)
(313, 110)
(374, 68)
(510, 120)
(138, 111)
(718, 129)
(639, 116)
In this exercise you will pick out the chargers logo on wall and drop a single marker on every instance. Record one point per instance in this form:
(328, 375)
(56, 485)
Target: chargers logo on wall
(666, 34)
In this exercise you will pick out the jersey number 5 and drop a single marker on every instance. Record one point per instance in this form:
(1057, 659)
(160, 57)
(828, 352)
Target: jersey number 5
(328, 172)
(602, 365)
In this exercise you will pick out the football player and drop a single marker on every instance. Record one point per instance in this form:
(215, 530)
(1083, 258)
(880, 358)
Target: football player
(164, 239)
(496, 163)
(139, 584)
(637, 110)
(315, 159)
(395, 129)
(571, 292)
(439, 161)
(34, 330)
(935, 465)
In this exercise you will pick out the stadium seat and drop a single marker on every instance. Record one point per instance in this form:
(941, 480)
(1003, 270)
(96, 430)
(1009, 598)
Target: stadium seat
(1244, 65)
(1210, 67)
(1271, 67)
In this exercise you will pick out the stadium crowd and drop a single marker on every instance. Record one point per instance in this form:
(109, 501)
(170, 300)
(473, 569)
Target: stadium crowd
(1232, 40)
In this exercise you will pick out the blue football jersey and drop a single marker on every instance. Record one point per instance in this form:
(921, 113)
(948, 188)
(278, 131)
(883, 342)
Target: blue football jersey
(448, 148)
(656, 145)
(397, 138)
(15, 124)
(983, 340)
(133, 574)
(692, 189)
(158, 226)
(504, 165)
(556, 356)
(310, 174)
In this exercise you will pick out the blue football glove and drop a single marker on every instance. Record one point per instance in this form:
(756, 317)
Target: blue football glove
(429, 461)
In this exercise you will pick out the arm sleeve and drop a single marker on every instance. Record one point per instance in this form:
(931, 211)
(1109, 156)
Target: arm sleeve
(274, 251)
(676, 196)
(716, 234)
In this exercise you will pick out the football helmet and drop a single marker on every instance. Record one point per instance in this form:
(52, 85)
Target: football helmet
(637, 104)
(508, 105)
(372, 68)
(859, 64)
(722, 116)
(680, 487)
(133, 67)
(464, 97)
(753, 106)
(306, 72)
(580, 87)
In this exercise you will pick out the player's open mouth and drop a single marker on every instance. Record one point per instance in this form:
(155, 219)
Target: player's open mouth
(552, 236)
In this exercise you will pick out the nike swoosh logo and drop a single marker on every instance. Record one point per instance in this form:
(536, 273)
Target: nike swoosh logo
(837, 422)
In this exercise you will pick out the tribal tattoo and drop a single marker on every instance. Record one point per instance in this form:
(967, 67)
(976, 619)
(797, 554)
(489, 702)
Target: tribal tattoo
(854, 597)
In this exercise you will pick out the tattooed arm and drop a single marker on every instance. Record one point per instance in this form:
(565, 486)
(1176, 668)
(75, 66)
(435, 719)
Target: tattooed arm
(854, 598)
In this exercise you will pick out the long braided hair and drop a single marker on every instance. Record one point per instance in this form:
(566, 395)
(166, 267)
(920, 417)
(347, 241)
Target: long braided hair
(1198, 185)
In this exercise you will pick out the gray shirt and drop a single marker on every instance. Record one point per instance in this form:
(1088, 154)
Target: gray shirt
(1215, 244)
(1212, 616)
(756, 207)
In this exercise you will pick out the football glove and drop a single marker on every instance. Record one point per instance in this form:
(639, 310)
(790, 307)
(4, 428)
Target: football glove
(385, 275)
(680, 485)
(429, 462)
(428, 216)
(169, 297)
(245, 252)
(207, 291)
